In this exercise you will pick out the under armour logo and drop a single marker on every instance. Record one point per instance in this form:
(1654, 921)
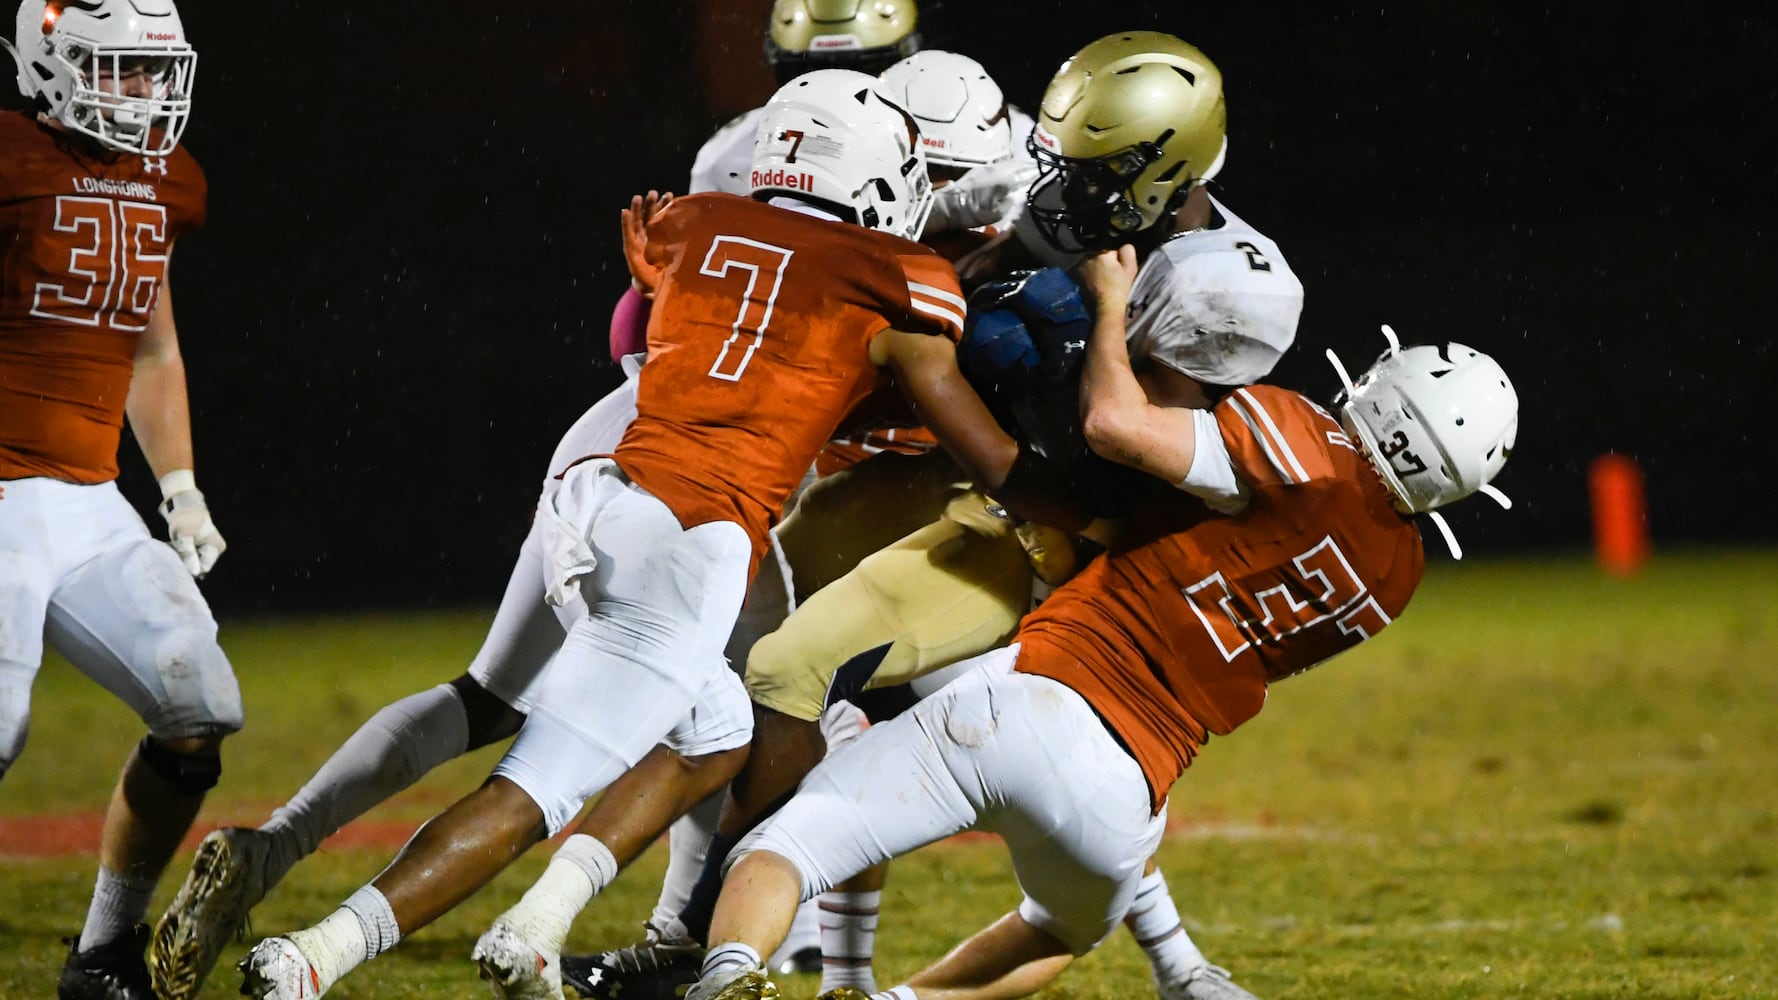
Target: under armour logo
(154, 165)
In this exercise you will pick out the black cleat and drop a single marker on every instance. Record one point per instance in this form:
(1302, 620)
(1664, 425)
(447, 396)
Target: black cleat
(806, 961)
(656, 969)
(114, 970)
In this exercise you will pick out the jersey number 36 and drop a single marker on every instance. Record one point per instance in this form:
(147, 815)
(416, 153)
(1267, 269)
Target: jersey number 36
(116, 260)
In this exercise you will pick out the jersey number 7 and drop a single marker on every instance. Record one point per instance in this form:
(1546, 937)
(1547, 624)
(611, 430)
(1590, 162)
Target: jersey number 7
(763, 264)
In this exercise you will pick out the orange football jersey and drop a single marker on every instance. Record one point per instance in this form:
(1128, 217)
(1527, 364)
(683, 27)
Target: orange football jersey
(861, 439)
(882, 422)
(1176, 632)
(759, 345)
(84, 241)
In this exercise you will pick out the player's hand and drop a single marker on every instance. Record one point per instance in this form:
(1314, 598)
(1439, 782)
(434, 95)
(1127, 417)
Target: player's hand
(644, 208)
(1108, 276)
(1000, 256)
(189, 528)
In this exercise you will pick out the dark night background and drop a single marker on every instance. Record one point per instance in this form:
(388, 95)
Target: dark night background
(401, 300)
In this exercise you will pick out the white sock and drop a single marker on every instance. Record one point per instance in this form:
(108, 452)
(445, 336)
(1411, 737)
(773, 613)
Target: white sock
(391, 751)
(372, 909)
(902, 992)
(1154, 921)
(848, 939)
(580, 870)
(120, 902)
(688, 840)
(731, 957)
(333, 947)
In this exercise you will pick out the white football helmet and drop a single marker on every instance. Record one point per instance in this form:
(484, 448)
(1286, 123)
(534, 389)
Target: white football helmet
(836, 136)
(74, 54)
(961, 111)
(1436, 422)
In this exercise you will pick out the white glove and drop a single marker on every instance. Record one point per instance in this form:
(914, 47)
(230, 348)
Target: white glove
(189, 528)
(980, 197)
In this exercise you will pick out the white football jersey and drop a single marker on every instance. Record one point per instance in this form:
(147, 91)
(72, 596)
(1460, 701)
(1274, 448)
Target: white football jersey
(1219, 304)
(725, 159)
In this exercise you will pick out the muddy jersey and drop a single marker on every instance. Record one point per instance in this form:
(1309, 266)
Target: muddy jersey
(759, 345)
(84, 243)
(1175, 634)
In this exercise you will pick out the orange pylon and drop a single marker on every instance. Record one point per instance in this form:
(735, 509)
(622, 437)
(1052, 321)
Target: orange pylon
(1620, 514)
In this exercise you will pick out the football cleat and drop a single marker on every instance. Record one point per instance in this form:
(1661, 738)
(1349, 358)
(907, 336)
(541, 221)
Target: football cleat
(844, 993)
(656, 969)
(736, 984)
(276, 970)
(111, 971)
(517, 967)
(803, 960)
(1206, 982)
(227, 879)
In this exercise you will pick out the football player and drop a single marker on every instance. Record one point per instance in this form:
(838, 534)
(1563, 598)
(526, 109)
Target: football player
(875, 485)
(966, 129)
(1129, 131)
(772, 320)
(96, 191)
(1067, 742)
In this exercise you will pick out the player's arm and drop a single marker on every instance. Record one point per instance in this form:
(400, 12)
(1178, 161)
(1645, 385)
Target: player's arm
(157, 407)
(160, 416)
(1117, 418)
(925, 366)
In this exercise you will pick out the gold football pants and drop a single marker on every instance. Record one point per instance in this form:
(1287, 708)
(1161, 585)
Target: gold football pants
(953, 587)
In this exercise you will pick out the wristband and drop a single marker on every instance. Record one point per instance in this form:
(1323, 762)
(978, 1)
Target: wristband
(178, 481)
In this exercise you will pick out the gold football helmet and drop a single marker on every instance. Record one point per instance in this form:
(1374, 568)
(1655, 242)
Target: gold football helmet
(864, 35)
(1128, 126)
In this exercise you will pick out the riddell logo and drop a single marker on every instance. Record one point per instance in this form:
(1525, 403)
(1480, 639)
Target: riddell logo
(931, 142)
(783, 179)
(155, 36)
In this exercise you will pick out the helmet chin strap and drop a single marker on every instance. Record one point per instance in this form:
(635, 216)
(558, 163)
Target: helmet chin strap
(1445, 530)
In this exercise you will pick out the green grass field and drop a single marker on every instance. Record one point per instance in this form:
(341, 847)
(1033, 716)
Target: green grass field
(1540, 783)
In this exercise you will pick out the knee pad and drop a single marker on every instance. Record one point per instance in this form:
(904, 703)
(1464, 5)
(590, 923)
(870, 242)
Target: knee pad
(191, 775)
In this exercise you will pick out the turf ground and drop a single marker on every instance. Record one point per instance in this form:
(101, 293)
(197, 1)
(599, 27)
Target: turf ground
(1541, 782)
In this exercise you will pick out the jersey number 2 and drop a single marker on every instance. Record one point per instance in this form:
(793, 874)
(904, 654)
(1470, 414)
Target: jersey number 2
(113, 270)
(764, 265)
